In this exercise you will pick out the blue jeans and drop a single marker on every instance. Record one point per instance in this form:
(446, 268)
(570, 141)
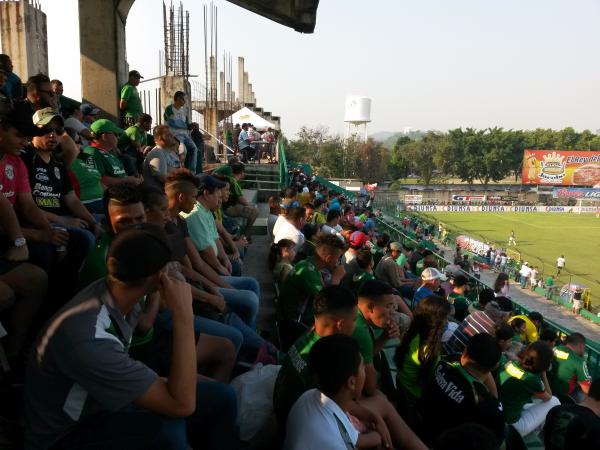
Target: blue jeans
(84, 236)
(523, 281)
(243, 299)
(204, 325)
(236, 268)
(191, 151)
(211, 426)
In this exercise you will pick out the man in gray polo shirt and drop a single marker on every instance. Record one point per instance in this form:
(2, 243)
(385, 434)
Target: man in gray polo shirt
(83, 390)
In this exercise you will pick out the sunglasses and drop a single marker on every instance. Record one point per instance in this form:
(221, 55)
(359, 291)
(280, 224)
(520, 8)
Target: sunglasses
(47, 129)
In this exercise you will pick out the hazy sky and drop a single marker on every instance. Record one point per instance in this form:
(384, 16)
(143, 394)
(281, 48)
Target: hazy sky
(429, 64)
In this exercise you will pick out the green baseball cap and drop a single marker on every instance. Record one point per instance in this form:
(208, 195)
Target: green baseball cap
(105, 126)
(44, 116)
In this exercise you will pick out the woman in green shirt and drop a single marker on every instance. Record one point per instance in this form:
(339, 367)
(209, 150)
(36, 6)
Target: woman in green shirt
(523, 382)
(420, 349)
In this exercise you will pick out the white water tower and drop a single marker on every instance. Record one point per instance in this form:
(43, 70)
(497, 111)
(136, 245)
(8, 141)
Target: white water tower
(358, 112)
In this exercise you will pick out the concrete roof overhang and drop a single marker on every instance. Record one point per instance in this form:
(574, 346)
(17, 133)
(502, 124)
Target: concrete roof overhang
(301, 15)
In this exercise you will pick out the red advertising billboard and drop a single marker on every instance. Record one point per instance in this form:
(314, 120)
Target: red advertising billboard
(561, 167)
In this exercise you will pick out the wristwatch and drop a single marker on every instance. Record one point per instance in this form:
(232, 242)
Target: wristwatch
(19, 242)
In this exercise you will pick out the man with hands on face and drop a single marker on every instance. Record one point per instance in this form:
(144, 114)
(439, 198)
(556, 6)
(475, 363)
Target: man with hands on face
(95, 394)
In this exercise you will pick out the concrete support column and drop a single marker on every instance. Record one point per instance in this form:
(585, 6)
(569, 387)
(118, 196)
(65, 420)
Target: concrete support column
(24, 37)
(221, 86)
(246, 91)
(241, 79)
(168, 86)
(103, 51)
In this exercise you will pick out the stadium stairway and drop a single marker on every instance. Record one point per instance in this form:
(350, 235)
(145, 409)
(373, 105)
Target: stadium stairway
(264, 178)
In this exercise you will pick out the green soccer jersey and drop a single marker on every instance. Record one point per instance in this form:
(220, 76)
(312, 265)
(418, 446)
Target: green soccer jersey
(568, 369)
(401, 260)
(300, 286)
(461, 305)
(130, 94)
(411, 375)
(134, 134)
(295, 378)
(362, 335)
(516, 388)
(107, 163)
(358, 279)
(94, 265)
(87, 174)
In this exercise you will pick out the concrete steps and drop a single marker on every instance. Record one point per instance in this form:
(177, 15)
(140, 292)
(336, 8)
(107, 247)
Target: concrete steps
(264, 178)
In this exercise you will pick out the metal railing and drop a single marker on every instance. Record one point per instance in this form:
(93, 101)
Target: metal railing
(397, 232)
(284, 176)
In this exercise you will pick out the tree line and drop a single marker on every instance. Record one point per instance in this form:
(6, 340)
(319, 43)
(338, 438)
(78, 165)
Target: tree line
(471, 155)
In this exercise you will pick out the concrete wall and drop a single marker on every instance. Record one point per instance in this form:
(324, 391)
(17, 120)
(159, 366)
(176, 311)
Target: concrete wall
(103, 51)
(24, 37)
(168, 86)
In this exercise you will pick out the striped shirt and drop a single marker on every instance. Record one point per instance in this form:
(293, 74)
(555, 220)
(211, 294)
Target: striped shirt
(476, 323)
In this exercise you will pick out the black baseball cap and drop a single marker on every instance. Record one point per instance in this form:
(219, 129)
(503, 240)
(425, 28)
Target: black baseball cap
(135, 73)
(139, 252)
(206, 181)
(20, 120)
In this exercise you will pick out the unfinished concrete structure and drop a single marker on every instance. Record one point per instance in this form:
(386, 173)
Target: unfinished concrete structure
(24, 36)
(102, 43)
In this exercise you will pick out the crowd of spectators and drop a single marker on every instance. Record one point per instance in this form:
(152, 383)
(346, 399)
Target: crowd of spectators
(457, 360)
(125, 314)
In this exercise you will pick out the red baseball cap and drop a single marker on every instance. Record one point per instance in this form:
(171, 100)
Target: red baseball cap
(358, 239)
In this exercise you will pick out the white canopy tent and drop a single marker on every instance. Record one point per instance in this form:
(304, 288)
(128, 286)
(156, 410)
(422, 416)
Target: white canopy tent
(246, 115)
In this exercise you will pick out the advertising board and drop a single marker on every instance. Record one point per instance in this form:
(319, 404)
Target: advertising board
(561, 167)
(413, 198)
(468, 198)
(577, 193)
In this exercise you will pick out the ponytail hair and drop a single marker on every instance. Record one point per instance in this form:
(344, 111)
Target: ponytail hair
(275, 251)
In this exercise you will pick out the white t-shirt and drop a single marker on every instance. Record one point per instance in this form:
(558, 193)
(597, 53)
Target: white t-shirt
(560, 262)
(316, 422)
(78, 126)
(288, 231)
(271, 221)
(280, 221)
(525, 271)
(331, 230)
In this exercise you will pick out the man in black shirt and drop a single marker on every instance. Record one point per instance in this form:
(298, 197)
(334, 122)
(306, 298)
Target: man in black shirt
(464, 391)
(575, 426)
(53, 193)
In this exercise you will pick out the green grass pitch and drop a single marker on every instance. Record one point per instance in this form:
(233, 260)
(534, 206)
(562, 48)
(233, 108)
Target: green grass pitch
(541, 238)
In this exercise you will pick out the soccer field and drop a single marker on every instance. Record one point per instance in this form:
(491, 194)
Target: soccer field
(541, 238)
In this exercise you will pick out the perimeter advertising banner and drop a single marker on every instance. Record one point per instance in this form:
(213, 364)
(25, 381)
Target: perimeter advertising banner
(561, 167)
(577, 193)
(413, 198)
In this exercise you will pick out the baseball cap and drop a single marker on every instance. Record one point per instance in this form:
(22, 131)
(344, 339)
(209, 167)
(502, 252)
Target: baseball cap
(44, 116)
(135, 73)
(139, 252)
(224, 169)
(88, 110)
(358, 239)
(396, 246)
(23, 127)
(206, 181)
(460, 280)
(431, 273)
(105, 126)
